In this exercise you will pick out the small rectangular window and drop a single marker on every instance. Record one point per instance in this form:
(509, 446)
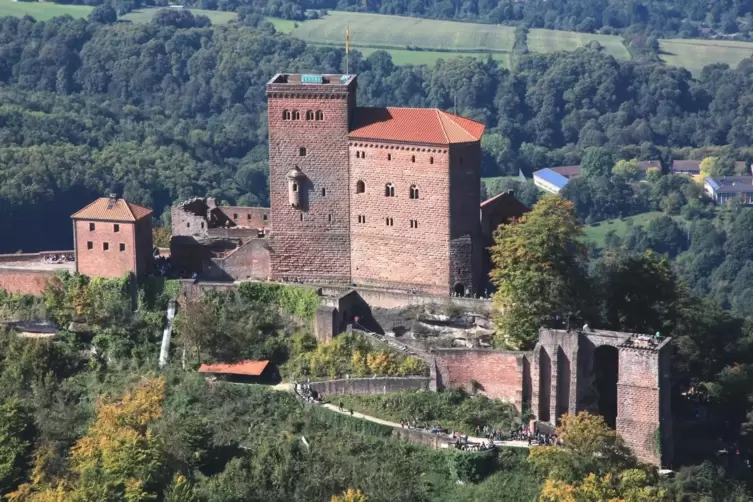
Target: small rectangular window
(301, 216)
(122, 246)
(265, 217)
(324, 192)
(116, 228)
(91, 227)
(105, 246)
(329, 218)
(248, 216)
(90, 245)
(235, 216)
(302, 152)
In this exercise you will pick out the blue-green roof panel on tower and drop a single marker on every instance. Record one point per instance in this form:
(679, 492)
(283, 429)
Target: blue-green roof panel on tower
(312, 79)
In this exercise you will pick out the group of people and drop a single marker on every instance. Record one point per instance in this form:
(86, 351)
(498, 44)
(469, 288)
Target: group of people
(306, 392)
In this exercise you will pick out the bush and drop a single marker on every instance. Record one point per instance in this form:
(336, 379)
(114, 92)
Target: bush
(472, 467)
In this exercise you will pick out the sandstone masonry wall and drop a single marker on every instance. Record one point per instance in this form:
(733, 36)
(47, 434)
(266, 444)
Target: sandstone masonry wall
(360, 386)
(501, 374)
(98, 261)
(311, 242)
(465, 227)
(398, 241)
(24, 282)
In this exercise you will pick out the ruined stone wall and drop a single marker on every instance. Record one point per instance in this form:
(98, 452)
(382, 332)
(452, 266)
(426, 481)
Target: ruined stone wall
(185, 223)
(112, 262)
(250, 261)
(501, 374)
(252, 217)
(24, 282)
(640, 421)
(400, 242)
(465, 227)
(360, 386)
(312, 242)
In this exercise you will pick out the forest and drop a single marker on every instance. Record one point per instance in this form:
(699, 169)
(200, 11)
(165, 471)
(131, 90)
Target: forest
(657, 18)
(176, 108)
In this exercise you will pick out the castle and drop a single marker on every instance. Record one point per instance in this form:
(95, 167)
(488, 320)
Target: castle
(376, 197)
(386, 200)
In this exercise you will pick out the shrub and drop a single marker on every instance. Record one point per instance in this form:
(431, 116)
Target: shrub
(471, 467)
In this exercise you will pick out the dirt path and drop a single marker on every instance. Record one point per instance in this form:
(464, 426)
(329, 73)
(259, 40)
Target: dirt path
(515, 444)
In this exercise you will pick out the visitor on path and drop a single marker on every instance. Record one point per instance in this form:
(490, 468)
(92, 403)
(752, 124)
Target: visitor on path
(351, 412)
(340, 407)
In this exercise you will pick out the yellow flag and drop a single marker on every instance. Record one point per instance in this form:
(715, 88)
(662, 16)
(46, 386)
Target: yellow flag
(347, 39)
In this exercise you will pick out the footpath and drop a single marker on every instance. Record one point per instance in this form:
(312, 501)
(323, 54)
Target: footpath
(471, 439)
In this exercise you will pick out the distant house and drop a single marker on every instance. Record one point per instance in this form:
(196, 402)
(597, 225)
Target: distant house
(568, 172)
(248, 371)
(725, 188)
(549, 180)
(693, 167)
(645, 165)
(689, 167)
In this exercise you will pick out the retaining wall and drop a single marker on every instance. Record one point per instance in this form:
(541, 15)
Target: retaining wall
(383, 385)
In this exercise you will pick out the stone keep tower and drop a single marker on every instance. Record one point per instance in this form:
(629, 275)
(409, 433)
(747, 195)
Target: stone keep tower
(624, 377)
(308, 118)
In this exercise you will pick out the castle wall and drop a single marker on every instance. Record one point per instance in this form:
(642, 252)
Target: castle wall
(312, 242)
(24, 282)
(643, 404)
(252, 260)
(500, 374)
(360, 386)
(411, 249)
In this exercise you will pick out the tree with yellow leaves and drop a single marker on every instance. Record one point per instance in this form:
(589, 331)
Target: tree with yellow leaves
(592, 465)
(350, 495)
(539, 270)
(120, 457)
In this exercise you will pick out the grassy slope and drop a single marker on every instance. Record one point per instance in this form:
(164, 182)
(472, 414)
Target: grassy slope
(555, 40)
(596, 233)
(216, 16)
(695, 54)
(398, 32)
(406, 57)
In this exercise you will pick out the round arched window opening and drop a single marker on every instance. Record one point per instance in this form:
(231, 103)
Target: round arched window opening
(459, 289)
(360, 187)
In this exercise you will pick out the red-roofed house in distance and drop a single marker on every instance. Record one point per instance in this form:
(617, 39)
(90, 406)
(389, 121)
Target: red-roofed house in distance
(113, 237)
(383, 197)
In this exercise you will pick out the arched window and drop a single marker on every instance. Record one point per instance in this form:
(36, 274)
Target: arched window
(296, 115)
(412, 158)
(389, 156)
(360, 187)
(295, 186)
(431, 160)
(286, 115)
(309, 115)
(363, 155)
(389, 190)
(319, 115)
(413, 192)
(358, 154)
(302, 151)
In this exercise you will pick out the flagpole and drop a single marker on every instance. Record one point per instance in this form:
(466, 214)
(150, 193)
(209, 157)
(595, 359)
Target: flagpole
(347, 49)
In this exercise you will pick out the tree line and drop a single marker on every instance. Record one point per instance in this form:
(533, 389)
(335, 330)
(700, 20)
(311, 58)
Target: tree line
(176, 108)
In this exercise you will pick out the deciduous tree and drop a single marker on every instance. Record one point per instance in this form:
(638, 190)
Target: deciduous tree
(538, 270)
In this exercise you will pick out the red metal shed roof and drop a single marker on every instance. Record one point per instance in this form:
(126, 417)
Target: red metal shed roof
(414, 125)
(248, 368)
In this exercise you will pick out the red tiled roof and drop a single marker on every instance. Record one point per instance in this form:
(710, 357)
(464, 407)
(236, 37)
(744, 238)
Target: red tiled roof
(414, 125)
(118, 210)
(567, 171)
(248, 368)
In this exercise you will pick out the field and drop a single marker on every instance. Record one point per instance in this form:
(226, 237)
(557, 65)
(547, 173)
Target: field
(406, 57)
(146, 15)
(555, 40)
(695, 54)
(596, 233)
(397, 32)
(42, 11)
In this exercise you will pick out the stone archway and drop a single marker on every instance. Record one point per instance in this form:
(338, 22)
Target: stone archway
(459, 289)
(606, 371)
